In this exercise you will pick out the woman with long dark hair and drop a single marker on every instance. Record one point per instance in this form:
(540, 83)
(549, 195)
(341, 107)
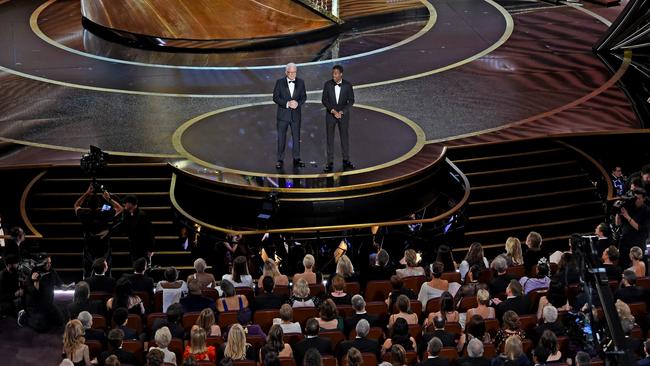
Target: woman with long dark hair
(124, 298)
(399, 334)
(447, 310)
(445, 257)
(474, 257)
(239, 276)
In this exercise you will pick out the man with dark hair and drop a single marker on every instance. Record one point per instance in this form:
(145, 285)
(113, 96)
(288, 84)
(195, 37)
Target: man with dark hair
(604, 241)
(361, 341)
(40, 313)
(173, 322)
(140, 281)
(10, 290)
(583, 359)
(380, 269)
(115, 339)
(268, 300)
(646, 350)
(448, 339)
(120, 318)
(195, 301)
(338, 98)
(99, 281)
(433, 349)
(610, 263)
(540, 355)
(634, 220)
(629, 292)
(138, 228)
(515, 300)
(311, 340)
(618, 181)
(289, 94)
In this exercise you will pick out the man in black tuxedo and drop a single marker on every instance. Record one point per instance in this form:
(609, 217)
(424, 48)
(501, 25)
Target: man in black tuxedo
(629, 292)
(338, 97)
(361, 342)
(115, 338)
(312, 340)
(289, 94)
(195, 301)
(359, 306)
(448, 339)
(140, 281)
(99, 281)
(433, 348)
(474, 355)
(121, 317)
(268, 300)
(138, 228)
(515, 301)
(91, 334)
(499, 283)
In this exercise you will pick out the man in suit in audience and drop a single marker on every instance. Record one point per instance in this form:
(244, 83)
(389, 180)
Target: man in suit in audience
(139, 280)
(115, 338)
(646, 349)
(289, 94)
(500, 282)
(433, 348)
(474, 355)
(549, 314)
(629, 292)
(173, 322)
(361, 341)
(381, 270)
(604, 241)
(610, 263)
(121, 317)
(99, 281)
(515, 301)
(311, 340)
(359, 306)
(91, 334)
(447, 339)
(268, 300)
(195, 301)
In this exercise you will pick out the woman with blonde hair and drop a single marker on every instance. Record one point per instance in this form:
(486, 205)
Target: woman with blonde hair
(206, 280)
(345, 269)
(513, 254)
(236, 347)
(513, 354)
(308, 275)
(197, 348)
(412, 267)
(270, 269)
(301, 295)
(482, 309)
(638, 266)
(206, 321)
(73, 344)
(163, 337)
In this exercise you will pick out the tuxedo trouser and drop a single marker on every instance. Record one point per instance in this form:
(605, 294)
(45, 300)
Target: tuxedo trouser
(343, 131)
(282, 138)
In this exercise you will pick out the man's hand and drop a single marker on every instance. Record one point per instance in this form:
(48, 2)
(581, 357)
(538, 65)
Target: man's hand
(293, 104)
(35, 276)
(625, 214)
(90, 189)
(107, 196)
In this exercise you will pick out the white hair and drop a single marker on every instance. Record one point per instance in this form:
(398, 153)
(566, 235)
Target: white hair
(86, 319)
(549, 313)
(199, 265)
(291, 65)
(475, 348)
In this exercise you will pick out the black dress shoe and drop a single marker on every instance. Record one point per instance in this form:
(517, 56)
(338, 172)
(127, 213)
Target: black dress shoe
(347, 164)
(328, 168)
(298, 163)
(279, 164)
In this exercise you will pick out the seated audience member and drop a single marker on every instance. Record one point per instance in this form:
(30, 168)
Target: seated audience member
(514, 254)
(628, 291)
(540, 281)
(173, 322)
(551, 323)
(555, 296)
(646, 351)
(270, 269)
(444, 256)
(140, 281)
(435, 287)
(120, 318)
(474, 355)
(268, 300)
(433, 359)
(513, 354)
(155, 357)
(583, 359)
(74, 346)
(329, 317)
(301, 295)
(474, 257)
(230, 301)
(482, 308)
(359, 306)
(474, 329)
(515, 300)
(405, 312)
(632, 343)
(540, 355)
(397, 356)
(447, 310)
(448, 339)
(345, 269)
(206, 320)
(197, 348)
(115, 338)
(604, 241)
(338, 294)
(239, 277)
(638, 266)
(380, 269)
(99, 281)
(81, 302)
(534, 251)
(206, 280)
(311, 340)
(412, 267)
(398, 289)
(500, 282)
(275, 344)
(549, 342)
(610, 262)
(111, 360)
(124, 298)
(312, 358)
(236, 348)
(511, 327)
(163, 337)
(195, 301)
(286, 320)
(361, 341)
(10, 290)
(270, 359)
(308, 275)
(353, 357)
(399, 334)
(172, 288)
(91, 334)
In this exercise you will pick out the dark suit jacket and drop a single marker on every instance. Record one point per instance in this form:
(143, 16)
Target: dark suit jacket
(323, 345)
(281, 95)
(556, 328)
(351, 322)
(91, 306)
(519, 305)
(175, 329)
(447, 339)
(473, 361)
(499, 284)
(122, 355)
(129, 333)
(434, 362)
(269, 301)
(197, 303)
(95, 335)
(101, 283)
(346, 99)
(643, 362)
(142, 283)
(614, 272)
(364, 345)
(630, 294)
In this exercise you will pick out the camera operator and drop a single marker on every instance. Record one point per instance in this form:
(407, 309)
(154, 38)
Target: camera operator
(96, 220)
(138, 228)
(9, 289)
(633, 220)
(40, 313)
(16, 245)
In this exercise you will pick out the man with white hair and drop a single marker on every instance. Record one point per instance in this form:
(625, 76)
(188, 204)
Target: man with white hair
(359, 306)
(550, 315)
(433, 349)
(91, 334)
(361, 341)
(474, 355)
(289, 94)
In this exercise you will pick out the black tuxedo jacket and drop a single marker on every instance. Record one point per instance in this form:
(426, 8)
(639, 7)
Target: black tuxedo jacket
(269, 301)
(142, 283)
(351, 322)
(519, 305)
(122, 355)
(346, 99)
(473, 361)
(95, 335)
(434, 362)
(447, 339)
(323, 345)
(101, 283)
(630, 294)
(281, 95)
(364, 345)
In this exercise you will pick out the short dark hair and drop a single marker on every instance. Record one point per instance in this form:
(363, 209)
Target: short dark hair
(11, 259)
(155, 357)
(115, 337)
(613, 253)
(311, 327)
(120, 315)
(338, 67)
(630, 277)
(439, 322)
(171, 274)
(131, 198)
(541, 354)
(174, 313)
(98, 265)
(542, 270)
(268, 283)
(140, 264)
(583, 359)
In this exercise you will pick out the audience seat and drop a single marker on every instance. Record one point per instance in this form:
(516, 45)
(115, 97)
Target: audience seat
(151, 318)
(101, 296)
(345, 311)
(517, 271)
(209, 363)
(638, 309)
(94, 348)
(534, 296)
(301, 315)
(256, 341)
(449, 353)
(244, 363)
(134, 322)
(264, 318)
(377, 290)
(643, 282)
(189, 319)
(246, 291)
(415, 331)
(99, 322)
(211, 293)
(485, 276)
(433, 306)
(454, 327)
(489, 350)
(293, 338)
(613, 285)
(563, 344)
(226, 319)
(528, 322)
(414, 282)
(214, 341)
(282, 290)
(317, 289)
(136, 348)
(411, 357)
(378, 308)
(528, 346)
(328, 360)
(451, 276)
(287, 361)
(353, 288)
(157, 302)
(376, 333)
(335, 336)
(492, 326)
(468, 302)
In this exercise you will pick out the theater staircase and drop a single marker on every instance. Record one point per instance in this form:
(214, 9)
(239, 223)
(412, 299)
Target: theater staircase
(49, 200)
(535, 185)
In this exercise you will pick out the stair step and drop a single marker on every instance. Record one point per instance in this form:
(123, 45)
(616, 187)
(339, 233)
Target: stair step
(530, 201)
(493, 157)
(524, 159)
(521, 231)
(523, 173)
(530, 187)
(501, 148)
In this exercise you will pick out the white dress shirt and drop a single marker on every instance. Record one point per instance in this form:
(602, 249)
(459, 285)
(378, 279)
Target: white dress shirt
(292, 87)
(337, 91)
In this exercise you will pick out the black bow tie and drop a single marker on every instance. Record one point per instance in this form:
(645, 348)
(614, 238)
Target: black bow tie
(291, 81)
(339, 84)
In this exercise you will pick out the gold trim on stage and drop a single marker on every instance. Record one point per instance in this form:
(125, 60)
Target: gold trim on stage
(23, 204)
